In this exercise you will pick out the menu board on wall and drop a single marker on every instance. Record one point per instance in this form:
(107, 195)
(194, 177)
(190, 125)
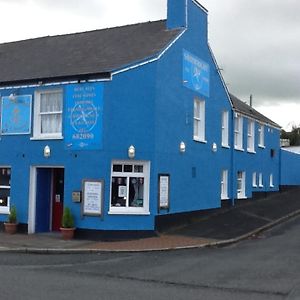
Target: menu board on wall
(164, 191)
(92, 197)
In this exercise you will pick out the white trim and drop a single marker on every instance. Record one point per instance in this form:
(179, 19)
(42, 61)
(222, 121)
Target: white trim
(32, 200)
(56, 83)
(150, 60)
(200, 6)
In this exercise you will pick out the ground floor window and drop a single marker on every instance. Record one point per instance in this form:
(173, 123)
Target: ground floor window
(129, 187)
(4, 190)
(224, 185)
(241, 184)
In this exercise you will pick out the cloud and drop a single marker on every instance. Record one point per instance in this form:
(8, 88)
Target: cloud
(256, 43)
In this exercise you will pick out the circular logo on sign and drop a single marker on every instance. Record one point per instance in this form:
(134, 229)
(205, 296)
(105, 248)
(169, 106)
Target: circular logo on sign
(84, 117)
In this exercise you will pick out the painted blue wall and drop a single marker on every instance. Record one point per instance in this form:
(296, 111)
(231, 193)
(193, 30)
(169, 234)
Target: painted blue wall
(195, 175)
(290, 168)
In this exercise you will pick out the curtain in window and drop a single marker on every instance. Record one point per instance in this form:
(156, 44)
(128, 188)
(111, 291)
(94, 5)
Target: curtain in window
(51, 112)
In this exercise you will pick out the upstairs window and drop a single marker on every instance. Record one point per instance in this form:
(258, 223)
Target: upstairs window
(261, 135)
(225, 136)
(48, 106)
(238, 132)
(4, 190)
(250, 136)
(199, 120)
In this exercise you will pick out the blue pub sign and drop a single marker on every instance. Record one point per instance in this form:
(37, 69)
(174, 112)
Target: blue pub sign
(16, 114)
(83, 119)
(195, 73)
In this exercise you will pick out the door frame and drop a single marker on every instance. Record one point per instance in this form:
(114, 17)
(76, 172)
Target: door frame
(32, 196)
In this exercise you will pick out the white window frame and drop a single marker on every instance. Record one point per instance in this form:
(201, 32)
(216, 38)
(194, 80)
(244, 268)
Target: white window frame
(254, 179)
(126, 210)
(37, 134)
(5, 209)
(238, 132)
(271, 180)
(199, 120)
(224, 185)
(261, 135)
(241, 193)
(225, 129)
(260, 180)
(251, 136)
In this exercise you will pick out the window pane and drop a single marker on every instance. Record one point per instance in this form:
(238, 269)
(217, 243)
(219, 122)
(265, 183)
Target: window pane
(5, 177)
(138, 169)
(136, 191)
(117, 168)
(128, 168)
(51, 123)
(51, 102)
(118, 191)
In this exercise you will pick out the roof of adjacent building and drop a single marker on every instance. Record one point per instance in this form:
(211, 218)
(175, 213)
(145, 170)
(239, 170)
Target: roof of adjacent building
(82, 54)
(244, 108)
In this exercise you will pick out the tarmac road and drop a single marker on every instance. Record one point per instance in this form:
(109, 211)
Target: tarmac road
(264, 267)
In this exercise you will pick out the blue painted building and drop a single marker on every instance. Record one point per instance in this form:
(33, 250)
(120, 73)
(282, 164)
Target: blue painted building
(125, 125)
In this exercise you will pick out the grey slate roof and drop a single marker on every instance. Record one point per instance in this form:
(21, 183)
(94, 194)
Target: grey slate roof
(82, 54)
(242, 107)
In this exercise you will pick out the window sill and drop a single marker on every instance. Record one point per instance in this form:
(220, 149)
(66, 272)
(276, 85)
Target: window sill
(4, 211)
(42, 138)
(225, 198)
(128, 212)
(272, 186)
(254, 186)
(260, 186)
(261, 146)
(239, 149)
(200, 141)
(251, 151)
(226, 146)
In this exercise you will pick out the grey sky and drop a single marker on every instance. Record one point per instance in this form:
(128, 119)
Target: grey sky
(256, 42)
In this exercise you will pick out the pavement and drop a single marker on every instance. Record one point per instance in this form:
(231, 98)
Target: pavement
(227, 225)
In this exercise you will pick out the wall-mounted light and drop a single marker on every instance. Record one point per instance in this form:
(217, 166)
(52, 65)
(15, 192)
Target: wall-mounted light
(214, 147)
(131, 152)
(47, 151)
(12, 96)
(182, 147)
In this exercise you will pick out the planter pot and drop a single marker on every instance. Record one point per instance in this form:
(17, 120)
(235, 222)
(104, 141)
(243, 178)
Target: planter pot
(67, 233)
(10, 228)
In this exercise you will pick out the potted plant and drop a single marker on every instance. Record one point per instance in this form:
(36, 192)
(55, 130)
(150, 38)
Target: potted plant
(67, 224)
(11, 224)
